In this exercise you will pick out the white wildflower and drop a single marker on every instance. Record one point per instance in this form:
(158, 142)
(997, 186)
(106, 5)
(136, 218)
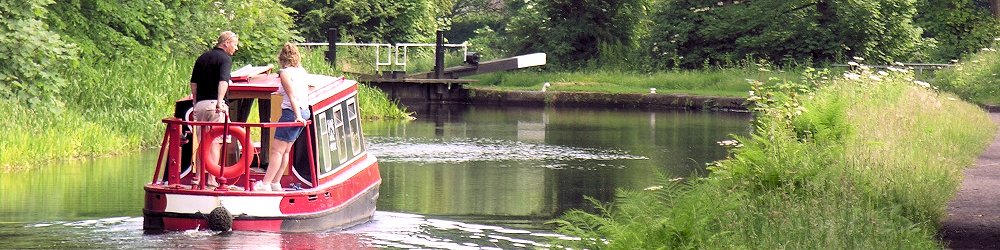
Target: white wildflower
(858, 59)
(852, 63)
(922, 83)
(989, 49)
(730, 143)
(852, 76)
(653, 188)
(874, 78)
(883, 73)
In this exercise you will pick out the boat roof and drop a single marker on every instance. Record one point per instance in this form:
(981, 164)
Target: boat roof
(259, 82)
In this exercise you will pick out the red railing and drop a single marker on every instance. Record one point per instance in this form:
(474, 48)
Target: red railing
(172, 144)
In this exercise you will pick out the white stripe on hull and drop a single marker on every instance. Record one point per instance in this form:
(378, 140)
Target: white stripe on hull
(237, 205)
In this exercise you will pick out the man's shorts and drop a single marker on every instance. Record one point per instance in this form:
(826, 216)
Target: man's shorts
(204, 111)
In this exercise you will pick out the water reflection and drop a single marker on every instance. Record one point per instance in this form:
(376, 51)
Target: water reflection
(523, 166)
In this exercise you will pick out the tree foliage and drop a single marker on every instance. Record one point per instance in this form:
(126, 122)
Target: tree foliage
(28, 52)
(390, 21)
(114, 29)
(571, 32)
(43, 41)
(699, 32)
(958, 26)
(263, 26)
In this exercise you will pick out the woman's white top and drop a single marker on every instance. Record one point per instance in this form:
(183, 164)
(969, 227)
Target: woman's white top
(296, 76)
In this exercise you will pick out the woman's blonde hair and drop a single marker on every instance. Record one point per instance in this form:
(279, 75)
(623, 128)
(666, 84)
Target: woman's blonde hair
(289, 56)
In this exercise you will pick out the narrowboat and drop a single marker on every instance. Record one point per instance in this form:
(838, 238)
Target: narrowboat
(332, 182)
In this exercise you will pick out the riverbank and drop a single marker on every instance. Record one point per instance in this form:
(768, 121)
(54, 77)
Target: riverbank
(595, 99)
(869, 161)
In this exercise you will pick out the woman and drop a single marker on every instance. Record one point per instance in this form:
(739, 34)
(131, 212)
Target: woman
(293, 92)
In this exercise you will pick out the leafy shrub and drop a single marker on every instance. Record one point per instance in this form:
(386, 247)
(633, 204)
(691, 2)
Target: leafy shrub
(29, 51)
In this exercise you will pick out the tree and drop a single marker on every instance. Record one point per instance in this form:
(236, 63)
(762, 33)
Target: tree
(708, 32)
(572, 32)
(389, 21)
(958, 26)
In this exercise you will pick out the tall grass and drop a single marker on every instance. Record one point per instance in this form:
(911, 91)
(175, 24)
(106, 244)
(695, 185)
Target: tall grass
(110, 108)
(847, 164)
(974, 79)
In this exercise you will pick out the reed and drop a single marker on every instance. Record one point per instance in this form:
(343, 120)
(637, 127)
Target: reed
(852, 164)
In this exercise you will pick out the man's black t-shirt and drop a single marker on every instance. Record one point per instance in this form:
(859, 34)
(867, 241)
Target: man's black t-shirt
(210, 68)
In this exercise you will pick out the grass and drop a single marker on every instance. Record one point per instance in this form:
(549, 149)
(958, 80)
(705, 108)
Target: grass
(974, 78)
(850, 164)
(116, 107)
(719, 82)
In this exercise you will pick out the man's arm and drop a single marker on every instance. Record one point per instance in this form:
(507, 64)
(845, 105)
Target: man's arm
(220, 105)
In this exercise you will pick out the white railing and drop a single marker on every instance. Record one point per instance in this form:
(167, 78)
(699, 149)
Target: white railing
(396, 55)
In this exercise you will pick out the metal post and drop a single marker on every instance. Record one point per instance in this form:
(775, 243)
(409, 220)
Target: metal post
(332, 36)
(439, 55)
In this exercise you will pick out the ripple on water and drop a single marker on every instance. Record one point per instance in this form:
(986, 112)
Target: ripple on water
(386, 230)
(461, 150)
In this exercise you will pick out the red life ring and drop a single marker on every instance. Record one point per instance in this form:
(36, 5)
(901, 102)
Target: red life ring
(231, 171)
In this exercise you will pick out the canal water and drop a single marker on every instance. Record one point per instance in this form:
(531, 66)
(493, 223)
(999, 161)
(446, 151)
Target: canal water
(456, 177)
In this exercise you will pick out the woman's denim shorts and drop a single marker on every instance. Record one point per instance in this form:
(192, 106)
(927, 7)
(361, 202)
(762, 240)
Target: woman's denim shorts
(289, 134)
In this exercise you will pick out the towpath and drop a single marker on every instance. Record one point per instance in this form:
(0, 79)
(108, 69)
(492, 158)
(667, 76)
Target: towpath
(973, 220)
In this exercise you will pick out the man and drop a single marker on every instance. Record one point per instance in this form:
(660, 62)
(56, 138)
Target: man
(209, 84)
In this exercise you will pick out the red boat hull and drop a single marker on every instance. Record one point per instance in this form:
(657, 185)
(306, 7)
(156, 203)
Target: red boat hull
(342, 202)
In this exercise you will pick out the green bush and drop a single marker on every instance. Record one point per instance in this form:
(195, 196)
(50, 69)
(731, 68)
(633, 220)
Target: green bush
(29, 50)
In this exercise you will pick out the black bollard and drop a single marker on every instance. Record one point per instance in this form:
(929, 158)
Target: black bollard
(332, 36)
(439, 55)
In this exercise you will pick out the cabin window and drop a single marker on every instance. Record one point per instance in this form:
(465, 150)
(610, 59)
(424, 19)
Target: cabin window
(328, 146)
(338, 118)
(355, 127)
(322, 135)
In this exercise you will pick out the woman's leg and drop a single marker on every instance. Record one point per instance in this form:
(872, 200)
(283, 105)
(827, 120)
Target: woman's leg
(278, 155)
